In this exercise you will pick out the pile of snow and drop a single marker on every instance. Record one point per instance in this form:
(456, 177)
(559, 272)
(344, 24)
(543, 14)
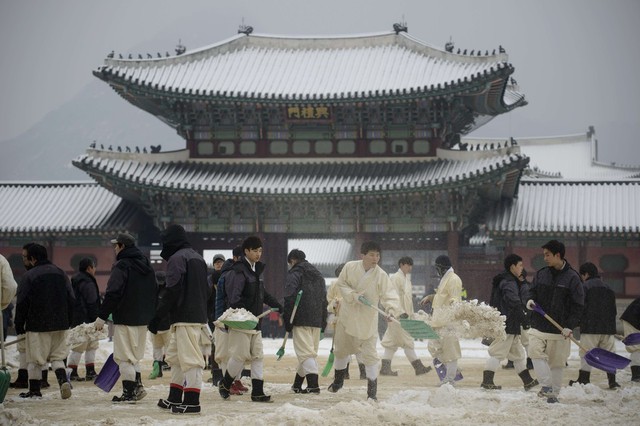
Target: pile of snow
(467, 320)
(85, 333)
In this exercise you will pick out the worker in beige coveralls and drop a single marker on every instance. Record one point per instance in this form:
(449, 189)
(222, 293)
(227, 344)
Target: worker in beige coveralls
(449, 291)
(395, 337)
(357, 327)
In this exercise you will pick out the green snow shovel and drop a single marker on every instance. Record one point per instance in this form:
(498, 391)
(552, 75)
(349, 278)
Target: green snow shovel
(5, 376)
(280, 352)
(329, 366)
(247, 324)
(416, 329)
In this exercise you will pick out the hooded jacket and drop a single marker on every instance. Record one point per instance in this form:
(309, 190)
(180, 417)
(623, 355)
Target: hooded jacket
(632, 314)
(186, 289)
(87, 302)
(560, 294)
(131, 290)
(312, 309)
(599, 315)
(245, 290)
(511, 293)
(45, 300)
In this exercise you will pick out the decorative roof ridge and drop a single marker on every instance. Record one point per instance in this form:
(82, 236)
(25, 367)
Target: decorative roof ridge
(306, 42)
(47, 183)
(616, 166)
(527, 180)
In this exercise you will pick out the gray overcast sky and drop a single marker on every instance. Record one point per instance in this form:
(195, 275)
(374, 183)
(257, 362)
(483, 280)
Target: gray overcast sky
(576, 60)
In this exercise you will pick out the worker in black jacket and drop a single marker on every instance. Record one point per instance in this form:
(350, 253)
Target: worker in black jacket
(598, 322)
(131, 299)
(244, 289)
(557, 289)
(631, 325)
(44, 312)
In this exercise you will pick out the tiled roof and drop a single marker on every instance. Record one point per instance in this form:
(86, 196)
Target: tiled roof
(61, 208)
(261, 67)
(568, 157)
(324, 251)
(553, 206)
(294, 178)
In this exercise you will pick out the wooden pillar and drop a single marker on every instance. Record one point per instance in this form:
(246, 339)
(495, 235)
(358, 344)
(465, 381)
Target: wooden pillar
(274, 256)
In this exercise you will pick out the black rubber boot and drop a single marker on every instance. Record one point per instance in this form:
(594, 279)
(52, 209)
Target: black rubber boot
(22, 381)
(385, 370)
(508, 365)
(74, 375)
(175, 398)
(139, 391)
(44, 383)
(635, 373)
(529, 364)
(487, 380)
(34, 390)
(257, 391)
(225, 386)
(612, 381)
(216, 376)
(191, 404)
(312, 384)
(338, 381)
(363, 372)
(528, 381)
(65, 386)
(419, 367)
(90, 372)
(346, 376)
(372, 389)
(583, 378)
(128, 393)
(297, 384)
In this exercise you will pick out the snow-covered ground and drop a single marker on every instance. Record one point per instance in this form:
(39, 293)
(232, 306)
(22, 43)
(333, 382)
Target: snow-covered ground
(403, 400)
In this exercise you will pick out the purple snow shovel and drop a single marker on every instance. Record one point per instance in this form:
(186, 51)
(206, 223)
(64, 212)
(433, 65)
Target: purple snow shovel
(596, 357)
(632, 339)
(108, 376)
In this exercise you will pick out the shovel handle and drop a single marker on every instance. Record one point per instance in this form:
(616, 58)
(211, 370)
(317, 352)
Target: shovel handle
(265, 313)
(364, 300)
(539, 310)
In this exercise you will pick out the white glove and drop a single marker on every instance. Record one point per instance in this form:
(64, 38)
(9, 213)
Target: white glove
(99, 324)
(567, 332)
(530, 304)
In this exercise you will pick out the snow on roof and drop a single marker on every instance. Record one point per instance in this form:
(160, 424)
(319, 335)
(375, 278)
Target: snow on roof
(324, 251)
(295, 67)
(569, 157)
(53, 207)
(554, 205)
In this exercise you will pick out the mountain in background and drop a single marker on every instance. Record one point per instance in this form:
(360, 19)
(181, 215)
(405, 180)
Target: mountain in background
(45, 151)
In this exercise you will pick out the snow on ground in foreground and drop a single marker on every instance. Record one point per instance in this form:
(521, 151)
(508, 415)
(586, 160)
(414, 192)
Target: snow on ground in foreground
(403, 400)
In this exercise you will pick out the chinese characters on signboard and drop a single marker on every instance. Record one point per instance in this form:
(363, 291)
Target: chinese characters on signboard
(308, 113)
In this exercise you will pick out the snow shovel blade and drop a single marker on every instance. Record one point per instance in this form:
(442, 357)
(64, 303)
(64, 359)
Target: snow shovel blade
(329, 366)
(5, 379)
(418, 329)
(441, 370)
(108, 376)
(605, 360)
(596, 357)
(632, 339)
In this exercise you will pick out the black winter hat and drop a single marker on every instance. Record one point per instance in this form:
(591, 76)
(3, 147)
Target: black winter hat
(443, 261)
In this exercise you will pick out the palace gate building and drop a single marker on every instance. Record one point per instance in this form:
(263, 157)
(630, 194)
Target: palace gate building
(350, 138)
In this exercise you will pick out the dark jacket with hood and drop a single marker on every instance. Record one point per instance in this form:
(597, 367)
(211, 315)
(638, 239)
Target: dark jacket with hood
(632, 314)
(186, 288)
(599, 315)
(245, 290)
(131, 290)
(45, 300)
(509, 296)
(87, 302)
(312, 309)
(560, 294)
(221, 302)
